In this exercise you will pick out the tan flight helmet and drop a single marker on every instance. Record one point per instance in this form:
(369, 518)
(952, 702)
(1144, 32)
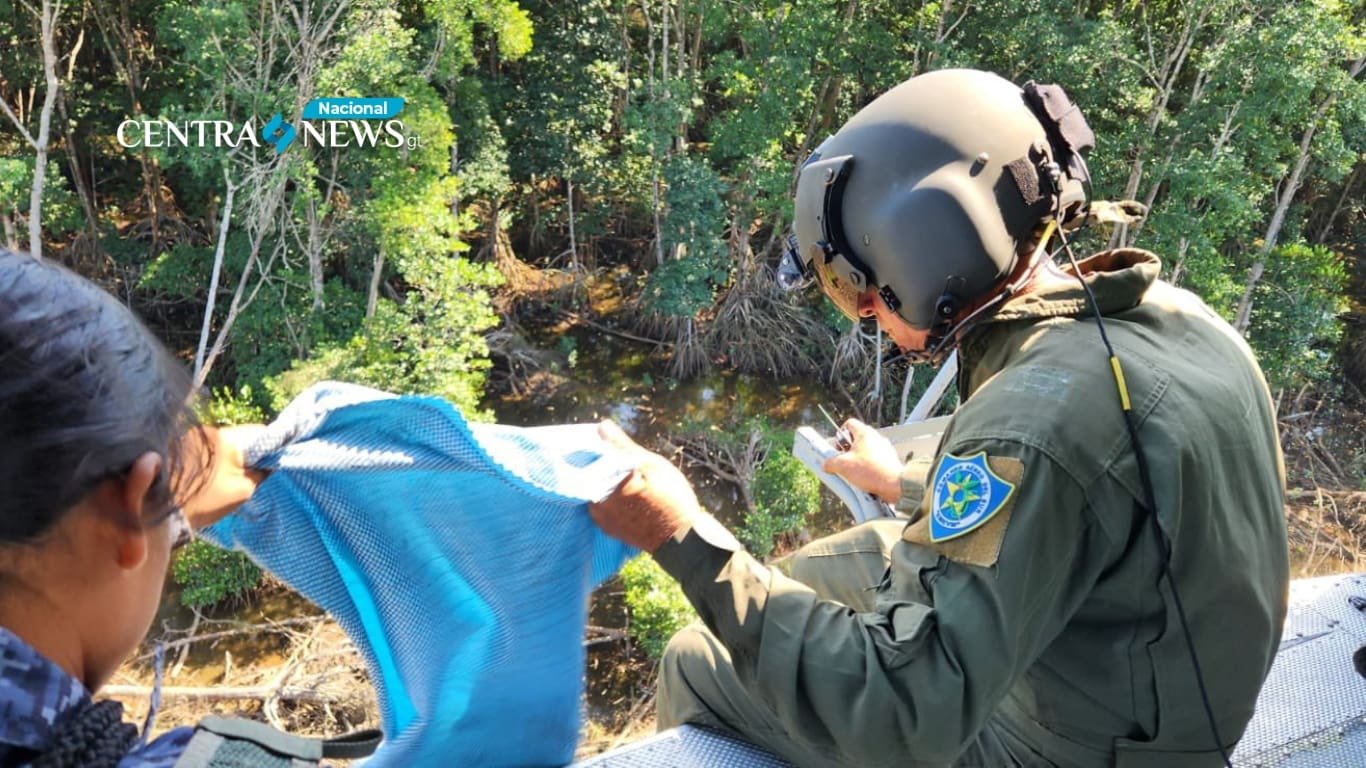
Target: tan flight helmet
(928, 193)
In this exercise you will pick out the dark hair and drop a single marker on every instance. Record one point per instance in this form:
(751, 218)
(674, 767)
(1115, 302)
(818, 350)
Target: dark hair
(85, 389)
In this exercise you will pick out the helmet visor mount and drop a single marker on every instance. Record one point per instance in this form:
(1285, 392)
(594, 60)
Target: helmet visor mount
(818, 246)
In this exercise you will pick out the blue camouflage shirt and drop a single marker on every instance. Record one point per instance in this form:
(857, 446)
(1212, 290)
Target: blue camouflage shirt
(36, 695)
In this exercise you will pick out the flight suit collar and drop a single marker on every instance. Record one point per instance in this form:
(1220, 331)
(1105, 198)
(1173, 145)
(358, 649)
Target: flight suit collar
(36, 696)
(1119, 278)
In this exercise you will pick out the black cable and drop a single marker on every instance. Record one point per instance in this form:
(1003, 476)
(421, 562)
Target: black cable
(1151, 502)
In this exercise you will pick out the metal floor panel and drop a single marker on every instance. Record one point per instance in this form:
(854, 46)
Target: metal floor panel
(1312, 709)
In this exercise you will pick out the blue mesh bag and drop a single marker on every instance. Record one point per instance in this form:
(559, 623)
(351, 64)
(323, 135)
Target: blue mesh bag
(458, 557)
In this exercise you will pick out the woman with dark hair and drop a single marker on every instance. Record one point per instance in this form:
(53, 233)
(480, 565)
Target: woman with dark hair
(103, 471)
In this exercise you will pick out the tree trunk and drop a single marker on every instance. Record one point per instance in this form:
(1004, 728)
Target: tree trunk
(259, 226)
(214, 278)
(224, 693)
(47, 22)
(84, 190)
(655, 181)
(1165, 83)
(573, 246)
(1254, 276)
(1179, 268)
(315, 257)
(11, 234)
(455, 171)
(372, 298)
(1289, 187)
(150, 167)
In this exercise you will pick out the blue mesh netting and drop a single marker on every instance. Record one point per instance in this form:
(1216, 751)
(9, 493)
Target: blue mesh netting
(458, 557)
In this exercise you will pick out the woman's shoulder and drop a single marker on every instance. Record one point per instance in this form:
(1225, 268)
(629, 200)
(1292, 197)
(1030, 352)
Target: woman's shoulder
(35, 695)
(41, 700)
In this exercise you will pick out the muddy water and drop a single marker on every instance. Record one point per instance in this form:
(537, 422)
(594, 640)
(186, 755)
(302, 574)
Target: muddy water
(614, 378)
(207, 662)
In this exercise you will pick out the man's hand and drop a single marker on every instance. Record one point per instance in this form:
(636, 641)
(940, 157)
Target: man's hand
(871, 464)
(220, 483)
(652, 504)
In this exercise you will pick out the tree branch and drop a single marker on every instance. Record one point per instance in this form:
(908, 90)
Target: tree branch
(223, 693)
(4, 107)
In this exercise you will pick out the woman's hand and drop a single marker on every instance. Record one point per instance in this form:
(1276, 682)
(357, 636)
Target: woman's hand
(652, 504)
(223, 483)
(871, 464)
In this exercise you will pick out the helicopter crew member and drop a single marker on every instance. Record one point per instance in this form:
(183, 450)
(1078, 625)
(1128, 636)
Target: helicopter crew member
(1095, 569)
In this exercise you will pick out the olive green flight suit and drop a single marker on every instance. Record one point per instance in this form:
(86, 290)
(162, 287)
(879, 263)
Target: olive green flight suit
(1046, 636)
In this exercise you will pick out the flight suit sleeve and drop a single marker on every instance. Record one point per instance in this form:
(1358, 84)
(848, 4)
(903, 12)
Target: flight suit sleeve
(914, 476)
(918, 676)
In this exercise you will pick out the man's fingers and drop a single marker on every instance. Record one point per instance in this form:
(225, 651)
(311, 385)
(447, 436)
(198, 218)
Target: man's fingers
(614, 436)
(857, 428)
(835, 465)
(631, 485)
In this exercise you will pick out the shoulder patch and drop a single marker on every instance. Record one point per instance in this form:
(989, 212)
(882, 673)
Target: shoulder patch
(964, 495)
(968, 494)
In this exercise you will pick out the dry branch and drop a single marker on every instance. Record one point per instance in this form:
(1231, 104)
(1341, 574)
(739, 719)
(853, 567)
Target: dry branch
(245, 629)
(225, 693)
(599, 635)
(578, 319)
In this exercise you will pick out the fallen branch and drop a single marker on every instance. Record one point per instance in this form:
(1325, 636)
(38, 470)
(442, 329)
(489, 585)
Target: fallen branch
(271, 707)
(637, 709)
(577, 318)
(224, 693)
(1352, 498)
(599, 635)
(249, 629)
(185, 651)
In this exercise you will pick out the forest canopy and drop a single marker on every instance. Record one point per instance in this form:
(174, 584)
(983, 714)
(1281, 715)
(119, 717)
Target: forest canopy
(544, 143)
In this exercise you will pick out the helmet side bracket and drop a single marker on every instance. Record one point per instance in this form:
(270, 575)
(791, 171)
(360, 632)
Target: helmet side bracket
(838, 252)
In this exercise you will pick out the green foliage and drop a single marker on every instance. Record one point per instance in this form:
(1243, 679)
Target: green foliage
(506, 23)
(785, 493)
(569, 347)
(61, 213)
(694, 229)
(228, 408)
(1297, 314)
(657, 604)
(779, 491)
(208, 575)
(679, 154)
(431, 344)
(279, 327)
(15, 178)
